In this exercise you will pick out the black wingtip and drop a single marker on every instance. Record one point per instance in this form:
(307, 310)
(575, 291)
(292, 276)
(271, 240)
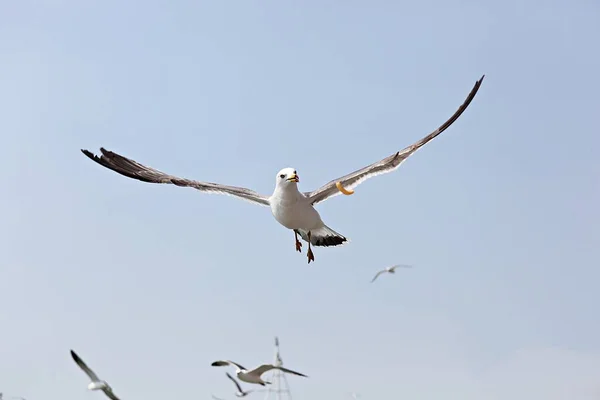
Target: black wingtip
(74, 355)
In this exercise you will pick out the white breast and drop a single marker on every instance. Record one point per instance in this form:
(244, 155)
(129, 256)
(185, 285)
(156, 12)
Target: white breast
(293, 211)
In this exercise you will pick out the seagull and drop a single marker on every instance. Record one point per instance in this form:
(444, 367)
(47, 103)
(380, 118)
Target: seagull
(253, 376)
(291, 208)
(11, 397)
(96, 383)
(390, 270)
(240, 392)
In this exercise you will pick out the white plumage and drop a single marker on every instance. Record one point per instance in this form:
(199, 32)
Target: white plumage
(290, 207)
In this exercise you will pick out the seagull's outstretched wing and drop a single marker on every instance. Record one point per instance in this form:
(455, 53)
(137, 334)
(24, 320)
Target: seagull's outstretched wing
(267, 367)
(289, 371)
(224, 363)
(110, 394)
(135, 170)
(377, 275)
(84, 367)
(388, 164)
(394, 267)
(237, 385)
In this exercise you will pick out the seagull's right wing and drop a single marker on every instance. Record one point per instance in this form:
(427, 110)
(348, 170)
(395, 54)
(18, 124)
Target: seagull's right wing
(110, 394)
(84, 367)
(224, 363)
(234, 381)
(135, 170)
(267, 367)
(289, 371)
(377, 276)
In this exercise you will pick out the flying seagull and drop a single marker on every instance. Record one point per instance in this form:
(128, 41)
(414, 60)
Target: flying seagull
(240, 392)
(253, 376)
(290, 207)
(96, 383)
(389, 270)
(11, 397)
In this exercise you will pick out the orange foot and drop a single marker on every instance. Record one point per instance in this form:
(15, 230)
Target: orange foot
(311, 256)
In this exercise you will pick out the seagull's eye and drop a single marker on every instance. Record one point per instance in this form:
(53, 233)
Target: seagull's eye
(282, 176)
(294, 172)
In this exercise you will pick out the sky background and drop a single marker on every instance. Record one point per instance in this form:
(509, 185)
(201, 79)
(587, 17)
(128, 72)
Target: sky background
(150, 284)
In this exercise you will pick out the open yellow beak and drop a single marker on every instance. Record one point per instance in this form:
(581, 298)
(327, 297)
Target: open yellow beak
(294, 178)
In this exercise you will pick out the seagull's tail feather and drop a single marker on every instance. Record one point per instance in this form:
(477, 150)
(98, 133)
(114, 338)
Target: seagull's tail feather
(323, 236)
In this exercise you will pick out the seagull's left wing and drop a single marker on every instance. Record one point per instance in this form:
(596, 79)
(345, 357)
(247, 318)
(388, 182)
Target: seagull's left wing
(135, 170)
(388, 164)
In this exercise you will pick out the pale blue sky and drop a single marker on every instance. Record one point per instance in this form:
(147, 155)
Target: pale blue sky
(150, 284)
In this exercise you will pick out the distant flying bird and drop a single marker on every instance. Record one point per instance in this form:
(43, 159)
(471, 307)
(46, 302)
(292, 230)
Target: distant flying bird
(390, 270)
(17, 397)
(290, 207)
(240, 392)
(96, 383)
(11, 397)
(253, 376)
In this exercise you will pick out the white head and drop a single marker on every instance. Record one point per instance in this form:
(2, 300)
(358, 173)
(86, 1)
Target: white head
(286, 178)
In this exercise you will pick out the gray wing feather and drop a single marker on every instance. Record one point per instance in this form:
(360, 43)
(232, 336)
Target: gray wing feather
(377, 275)
(390, 163)
(267, 367)
(135, 170)
(84, 367)
(223, 363)
(289, 371)
(394, 267)
(110, 394)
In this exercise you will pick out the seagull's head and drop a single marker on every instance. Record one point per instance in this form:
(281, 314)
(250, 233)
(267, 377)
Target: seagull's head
(287, 176)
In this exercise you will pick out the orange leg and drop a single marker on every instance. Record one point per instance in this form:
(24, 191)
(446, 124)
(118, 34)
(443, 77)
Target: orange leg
(311, 256)
(298, 243)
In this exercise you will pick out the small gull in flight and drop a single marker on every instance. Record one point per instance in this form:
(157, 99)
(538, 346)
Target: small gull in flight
(290, 207)
(11, 397)
(253, 376)
(389, 270)
(96, 383)
(240, 392)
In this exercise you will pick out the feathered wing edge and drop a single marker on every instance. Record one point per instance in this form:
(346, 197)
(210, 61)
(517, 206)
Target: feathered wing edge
(132, 169)
(389, 163)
